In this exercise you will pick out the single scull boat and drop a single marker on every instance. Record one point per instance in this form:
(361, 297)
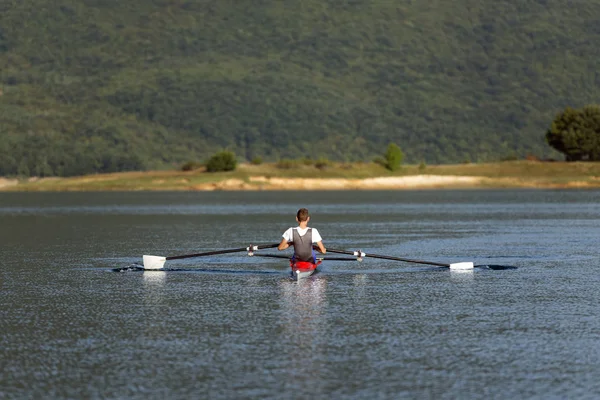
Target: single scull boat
(299, 269)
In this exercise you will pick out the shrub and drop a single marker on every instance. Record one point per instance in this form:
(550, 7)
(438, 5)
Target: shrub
(257, 160)
(393, 157)
(222, 161)
(322, 163)
(191, 165)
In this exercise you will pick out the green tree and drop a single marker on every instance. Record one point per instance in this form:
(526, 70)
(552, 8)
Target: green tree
(393, 157)
(576, 133)
(221, 161)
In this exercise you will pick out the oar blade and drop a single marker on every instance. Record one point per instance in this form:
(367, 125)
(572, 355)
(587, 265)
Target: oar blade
(462, 266)
(153, 262)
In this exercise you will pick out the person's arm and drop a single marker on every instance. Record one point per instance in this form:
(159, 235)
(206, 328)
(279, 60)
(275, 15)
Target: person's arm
(322, 249)
(286, 240)
(283, 244)
(318, 241)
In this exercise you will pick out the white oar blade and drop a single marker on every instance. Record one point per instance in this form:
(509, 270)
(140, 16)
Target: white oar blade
(462, 265)
(154, 262)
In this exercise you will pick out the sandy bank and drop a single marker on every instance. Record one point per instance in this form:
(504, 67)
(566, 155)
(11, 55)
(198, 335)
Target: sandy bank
(8, 182)
(404, 182)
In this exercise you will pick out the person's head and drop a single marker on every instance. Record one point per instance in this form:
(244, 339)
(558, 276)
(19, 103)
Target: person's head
(302, 215)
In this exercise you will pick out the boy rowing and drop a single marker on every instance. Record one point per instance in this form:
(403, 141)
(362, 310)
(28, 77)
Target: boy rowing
(302, 238)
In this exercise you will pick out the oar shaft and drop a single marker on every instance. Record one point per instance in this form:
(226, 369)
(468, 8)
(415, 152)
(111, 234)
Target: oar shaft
(408, 260)
(226, 251)
(353, 253)
(272, 256)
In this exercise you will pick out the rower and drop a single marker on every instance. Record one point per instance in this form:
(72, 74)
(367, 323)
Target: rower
(302, 238)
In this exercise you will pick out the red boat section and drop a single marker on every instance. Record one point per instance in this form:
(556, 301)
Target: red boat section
(304, 265)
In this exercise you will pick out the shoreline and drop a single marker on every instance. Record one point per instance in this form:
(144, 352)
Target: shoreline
(262, 183)
(505, 175)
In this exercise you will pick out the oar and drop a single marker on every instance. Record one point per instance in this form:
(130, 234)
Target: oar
(359, 254)
(157, 262)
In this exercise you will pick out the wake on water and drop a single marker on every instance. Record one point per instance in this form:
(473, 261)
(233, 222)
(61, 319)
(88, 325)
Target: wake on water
(138, 268)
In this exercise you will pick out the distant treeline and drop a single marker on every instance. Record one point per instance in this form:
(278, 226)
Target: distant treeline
(97, 86)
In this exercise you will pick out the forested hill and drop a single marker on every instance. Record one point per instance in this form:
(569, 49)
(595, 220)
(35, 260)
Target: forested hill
(104, 85)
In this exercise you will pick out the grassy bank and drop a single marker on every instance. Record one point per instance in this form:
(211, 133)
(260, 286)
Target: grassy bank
(527, 174)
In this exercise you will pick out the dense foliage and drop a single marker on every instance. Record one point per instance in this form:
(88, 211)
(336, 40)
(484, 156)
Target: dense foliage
(222, 161)
(393, 157)
(110, 85)
(576, 133)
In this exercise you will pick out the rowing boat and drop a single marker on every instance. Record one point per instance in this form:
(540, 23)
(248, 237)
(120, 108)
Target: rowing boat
(304, 269)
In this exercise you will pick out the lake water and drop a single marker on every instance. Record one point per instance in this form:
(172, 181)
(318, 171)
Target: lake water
(233, 326)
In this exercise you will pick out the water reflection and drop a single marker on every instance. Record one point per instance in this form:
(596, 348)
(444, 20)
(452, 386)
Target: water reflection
(303, 306)
(359, 280)
(154, 282)
(154, 278)
(359, 283)
(462, 275)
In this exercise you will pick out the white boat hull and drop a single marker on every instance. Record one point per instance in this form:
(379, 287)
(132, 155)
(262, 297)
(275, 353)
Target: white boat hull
(298, 274)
